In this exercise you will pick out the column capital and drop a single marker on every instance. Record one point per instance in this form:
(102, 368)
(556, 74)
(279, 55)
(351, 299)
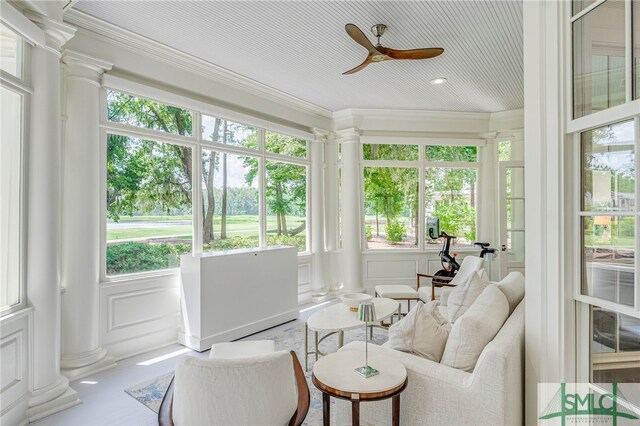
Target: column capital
(350, 135)
(487, 136)
(518, 134)
(320, 134)
(56, 33)
(84, 67)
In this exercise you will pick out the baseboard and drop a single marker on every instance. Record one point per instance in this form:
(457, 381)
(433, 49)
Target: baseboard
(80, 372)
(204, 343)
(16, 414)
(67, 400)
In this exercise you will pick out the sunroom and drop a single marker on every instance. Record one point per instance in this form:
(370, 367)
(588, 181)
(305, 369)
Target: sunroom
(141, 140)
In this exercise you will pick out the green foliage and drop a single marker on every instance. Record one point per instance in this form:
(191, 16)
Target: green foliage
(457, 218)
(138, 257)
(451, 153)
(395, 231)
(368, 231)
(390, 152)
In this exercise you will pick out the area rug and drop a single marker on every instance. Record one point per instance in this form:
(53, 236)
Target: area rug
(151, 392)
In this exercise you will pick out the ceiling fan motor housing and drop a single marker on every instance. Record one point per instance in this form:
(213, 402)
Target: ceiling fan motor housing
(378, 29)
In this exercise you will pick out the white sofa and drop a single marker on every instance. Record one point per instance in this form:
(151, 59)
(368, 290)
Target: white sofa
(440, 395)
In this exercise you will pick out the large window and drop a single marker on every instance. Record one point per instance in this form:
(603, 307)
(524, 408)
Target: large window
(395, 196)
(13, 94)
(607, 286)
(155, 207)
(148, 204)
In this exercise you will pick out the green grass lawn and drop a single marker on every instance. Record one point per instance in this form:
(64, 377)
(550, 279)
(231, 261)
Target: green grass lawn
(237, 226)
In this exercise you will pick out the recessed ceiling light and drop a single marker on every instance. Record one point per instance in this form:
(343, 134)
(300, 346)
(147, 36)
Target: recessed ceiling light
(439, 80)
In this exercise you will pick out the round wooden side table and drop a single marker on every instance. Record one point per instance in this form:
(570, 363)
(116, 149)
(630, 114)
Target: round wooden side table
(334, 375)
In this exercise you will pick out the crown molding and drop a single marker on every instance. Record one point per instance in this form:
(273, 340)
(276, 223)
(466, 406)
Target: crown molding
(121, 37)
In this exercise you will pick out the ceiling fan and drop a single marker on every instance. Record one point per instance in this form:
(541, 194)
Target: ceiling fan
(378, 53)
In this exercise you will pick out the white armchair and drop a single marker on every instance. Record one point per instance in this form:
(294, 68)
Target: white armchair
(268, 389)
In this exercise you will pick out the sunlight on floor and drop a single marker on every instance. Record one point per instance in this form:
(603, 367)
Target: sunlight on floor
(163, 357)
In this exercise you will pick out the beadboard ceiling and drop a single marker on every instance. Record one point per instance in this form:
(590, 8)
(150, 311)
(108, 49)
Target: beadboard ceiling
(301, 48)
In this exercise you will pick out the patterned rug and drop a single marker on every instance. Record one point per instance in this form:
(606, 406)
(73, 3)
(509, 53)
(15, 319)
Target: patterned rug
(151, 392)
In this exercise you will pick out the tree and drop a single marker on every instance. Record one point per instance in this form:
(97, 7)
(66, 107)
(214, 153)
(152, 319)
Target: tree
(286, 186)
(142, 175)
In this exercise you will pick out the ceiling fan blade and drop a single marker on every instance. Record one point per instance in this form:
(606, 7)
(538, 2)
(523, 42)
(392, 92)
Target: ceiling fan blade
(412, 54)
(358, 36)
(359, 67)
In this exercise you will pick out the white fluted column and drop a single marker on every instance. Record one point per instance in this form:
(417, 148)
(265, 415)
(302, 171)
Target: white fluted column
(332, 213)
(318, 282)
(51, 390)
(80, 272)
(351, 211)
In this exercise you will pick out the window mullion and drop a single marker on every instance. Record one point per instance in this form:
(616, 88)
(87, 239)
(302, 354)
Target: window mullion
(262, 185)
(196, 186)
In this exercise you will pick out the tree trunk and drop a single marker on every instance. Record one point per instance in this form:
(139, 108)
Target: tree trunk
(282, 221)
(377, 222)
(210, 202)
(223, 213)
(472, 197)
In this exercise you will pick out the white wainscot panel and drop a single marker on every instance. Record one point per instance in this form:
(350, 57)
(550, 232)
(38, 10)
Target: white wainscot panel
(140, 314)
(15, 364)
(390, 268)
(304, 279)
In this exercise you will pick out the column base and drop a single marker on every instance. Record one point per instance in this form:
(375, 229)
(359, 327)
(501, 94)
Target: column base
(50, 401)
(85, 364)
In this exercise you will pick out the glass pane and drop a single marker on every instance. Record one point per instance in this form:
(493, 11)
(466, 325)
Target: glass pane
(451, 153)
(450, 195)
(286, 205)
(141, 112)
(391, 207)
(10, 179)
(515, 214)
(608, 168)
(514, 182)
(285, 145)
(11, 55)
(615, 347)
(504, 151)
(148, 204)
(515, 246)
(608, 258)
(580, 5)
(636, 48)
(229, 133)
(598, 59)
(230, 201)
(390, 152)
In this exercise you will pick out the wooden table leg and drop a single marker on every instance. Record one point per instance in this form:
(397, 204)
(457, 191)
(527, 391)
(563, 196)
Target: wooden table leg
(326, 409)
(395, 409)
(355, 412)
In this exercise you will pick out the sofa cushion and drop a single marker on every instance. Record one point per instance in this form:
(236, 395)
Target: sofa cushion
(475, 329)
(423, 332)
(513, 288)
(463, 296)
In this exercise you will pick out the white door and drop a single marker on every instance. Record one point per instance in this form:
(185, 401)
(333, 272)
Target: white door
(512, 208)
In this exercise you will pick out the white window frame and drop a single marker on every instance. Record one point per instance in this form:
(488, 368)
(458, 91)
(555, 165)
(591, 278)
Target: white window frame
(422, 164)
(197, 144)
(630, 110)
(20, 85)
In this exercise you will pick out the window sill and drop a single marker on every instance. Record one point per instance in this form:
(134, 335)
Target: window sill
(140, 275)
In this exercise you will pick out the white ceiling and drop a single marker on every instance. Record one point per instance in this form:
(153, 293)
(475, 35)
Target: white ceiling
(301, 48)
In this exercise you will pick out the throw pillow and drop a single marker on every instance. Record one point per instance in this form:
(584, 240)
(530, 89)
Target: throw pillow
(475, 329)
(462, 297)
(423, 332)
(513, 288)
(431, 332)
(401, 333)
